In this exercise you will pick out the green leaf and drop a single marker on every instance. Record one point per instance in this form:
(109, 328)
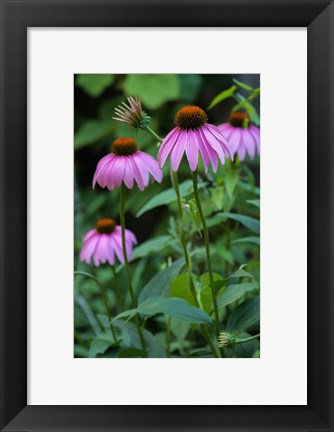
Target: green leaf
(244, 103)
(195, 213)
(94, 84)
(166, 197)
(246, 316)
(222, 96)
(180, 288)
(255, 240)
(243, 85)
(255, 202)
(80, 300)
(92, 131)
(158, 349)
(129, 334)
(247, 221)
(101, 343)
(174, 307)
(217, 194)
(241, 273)
(153, 89)
(190, 86)
(234, 292)
(231, 180)
(160, 283)
(153, 245)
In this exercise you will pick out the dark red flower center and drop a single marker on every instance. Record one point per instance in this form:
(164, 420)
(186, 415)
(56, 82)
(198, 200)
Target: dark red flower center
(124, 146)
(240, 119)
(105, 226)
(190, 117)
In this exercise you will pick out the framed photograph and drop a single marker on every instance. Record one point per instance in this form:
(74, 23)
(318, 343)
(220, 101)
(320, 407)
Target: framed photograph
(166, 215)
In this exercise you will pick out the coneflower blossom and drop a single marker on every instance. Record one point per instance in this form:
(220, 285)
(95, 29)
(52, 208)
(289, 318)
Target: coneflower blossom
(242, 136)
(192, 135)
(126, 164)
(104, 243)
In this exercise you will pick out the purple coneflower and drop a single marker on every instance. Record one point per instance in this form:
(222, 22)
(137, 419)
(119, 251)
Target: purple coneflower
(105, 242)
(242, 136)
(192, 134)
(126, 164)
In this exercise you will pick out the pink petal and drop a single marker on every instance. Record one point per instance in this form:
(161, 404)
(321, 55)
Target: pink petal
(111, 253)
(137, 174)
(151, 164)
(226, 129)
(241, 151)
(116, 174)
(249, 142)
(102, 250)
(128, 174)
(89, 248)
(167, 146)
(117, 245)
(235, 140)
(100, 171)
(89, 234)
(141, 168)
(222, 141)
(192, 150)
(255, 131)
(129, 236)
(178, 150)
(214, 145)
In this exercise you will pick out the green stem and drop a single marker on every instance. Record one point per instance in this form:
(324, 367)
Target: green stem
(104, 298)
(175, 183)
(151, 131)
(238, 341)
(127, 267)
(207, 249)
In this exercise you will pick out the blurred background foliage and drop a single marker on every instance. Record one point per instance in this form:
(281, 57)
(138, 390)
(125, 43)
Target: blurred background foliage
(230, 199)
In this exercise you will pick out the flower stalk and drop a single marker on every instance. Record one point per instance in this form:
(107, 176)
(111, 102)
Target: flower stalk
(127, 267)
(207, 249)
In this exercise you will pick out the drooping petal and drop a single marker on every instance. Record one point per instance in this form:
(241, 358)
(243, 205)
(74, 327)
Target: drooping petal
(102, 249)
(89, 248)
(226, 129)
(167, 146)
(178, 150)
(248, 142)
(222, 141)
(192, 150)
(141, 167)
(217, 146)
(151, 164)
(235, 139)
(117, 245)
(89, 234)
(255, 131)
(129, 236)
(241, 151)
(128, 174)
(204, 153)
(116, 174)
(211, 151)
(137, 174)
(102, 167)
(111, 253)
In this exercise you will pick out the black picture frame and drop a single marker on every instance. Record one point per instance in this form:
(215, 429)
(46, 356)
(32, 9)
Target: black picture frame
(16, 17)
